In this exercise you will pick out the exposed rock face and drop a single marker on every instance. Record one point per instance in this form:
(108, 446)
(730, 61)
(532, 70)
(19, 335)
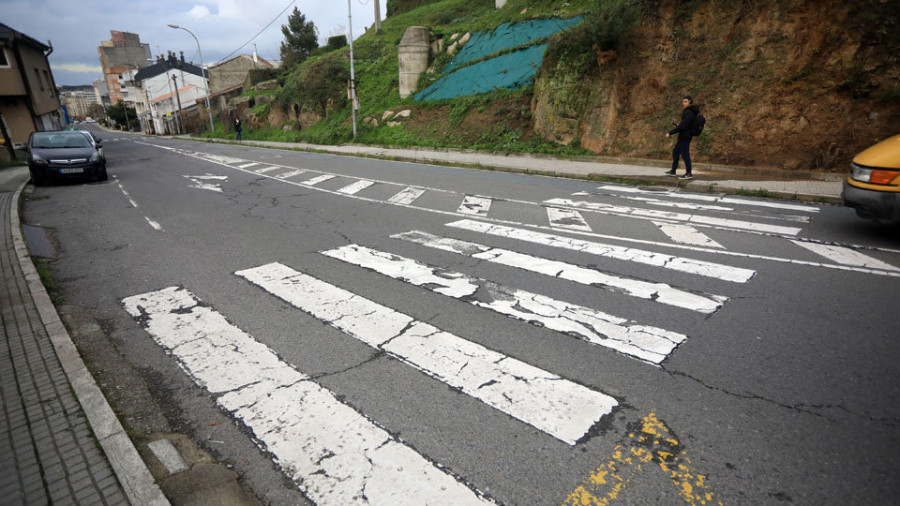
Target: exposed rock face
(412, 56)
(266, 85)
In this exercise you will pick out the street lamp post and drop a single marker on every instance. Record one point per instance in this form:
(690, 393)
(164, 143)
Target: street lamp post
(212, 128)
(353, 100)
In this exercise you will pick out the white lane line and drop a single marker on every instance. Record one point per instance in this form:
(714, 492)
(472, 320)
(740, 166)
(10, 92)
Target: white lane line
(638, 212)
(333, 453)
(658, 292)
(539, 398)
(270, 168)
(679, 205)
(407, 195)
(156, 226)
(665, 261)
(291, 173)
(352, 189)
(845, 256)
(478, 206)
(248, 165)
(567, 218)
(318, 179)
(713, 198)
(127, 196)
(684, 234)
(643, 342)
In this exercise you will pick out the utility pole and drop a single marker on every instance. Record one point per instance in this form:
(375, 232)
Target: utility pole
(377, 17)
(177, 96)
(354, 102)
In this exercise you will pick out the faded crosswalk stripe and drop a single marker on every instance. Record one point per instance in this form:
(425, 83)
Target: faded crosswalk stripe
(356, 187)
(539, 398)
(684, 234)
(318, 179)
(673, 216)
(714, 198)
(640, 341)
(845, 256)
(268, 169)
(475, 205)
(407, 195)
(332, 452)
(659, 292)
(665, 261)
(567, 218)
(247, 165)
(291, 173)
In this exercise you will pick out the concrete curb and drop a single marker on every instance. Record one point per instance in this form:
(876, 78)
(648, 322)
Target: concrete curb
(130, 469)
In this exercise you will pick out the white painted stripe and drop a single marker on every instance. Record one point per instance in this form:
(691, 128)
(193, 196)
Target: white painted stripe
(248, 165)
(127, 196)
(639, 341)
(316, 180)
(714, 198)
(655, 214)
(665, 261)
(291, 173)
(567, 218)
(679, 205)
(658, 292)
(539, 398)
(845, 256)
(356, 187)
(407, 195)
(199, 184)
(156, 226)
(268, 169)
(684, 234)
(332, 452)
(478, 206)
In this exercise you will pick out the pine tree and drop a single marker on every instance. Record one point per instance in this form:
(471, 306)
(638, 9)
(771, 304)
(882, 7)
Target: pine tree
(300, 38)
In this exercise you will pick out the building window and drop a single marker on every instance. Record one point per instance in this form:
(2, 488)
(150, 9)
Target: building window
(4, 63)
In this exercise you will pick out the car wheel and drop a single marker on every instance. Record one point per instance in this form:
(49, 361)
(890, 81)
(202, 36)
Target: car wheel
(37, 180)
(103, 175)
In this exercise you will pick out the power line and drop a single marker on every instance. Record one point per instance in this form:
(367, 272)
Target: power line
(259, 32)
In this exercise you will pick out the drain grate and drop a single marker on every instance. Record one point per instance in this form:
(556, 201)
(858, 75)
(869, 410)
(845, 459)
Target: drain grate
(38, 241)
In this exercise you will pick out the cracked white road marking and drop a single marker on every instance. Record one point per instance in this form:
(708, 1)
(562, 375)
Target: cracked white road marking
(478, 206)
(156, 226)
(658, 292)
(407, 195)
(643, 342)
(539, 398)
(270, 168)
(665, 261)
(200, 184)
(845, 256)
(318, 179)
(334, 454)
(567, 218)
(654, 214)
(354, 188)
(684, 234)
(248, 165)
(714, 198)
(291, 173)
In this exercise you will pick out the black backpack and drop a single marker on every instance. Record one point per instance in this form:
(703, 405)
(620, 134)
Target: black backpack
(699, 125)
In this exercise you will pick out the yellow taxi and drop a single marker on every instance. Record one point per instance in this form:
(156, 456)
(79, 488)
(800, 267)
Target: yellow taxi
(873, 186)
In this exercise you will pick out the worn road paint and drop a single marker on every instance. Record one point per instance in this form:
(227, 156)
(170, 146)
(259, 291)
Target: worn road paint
(478, 206)
(356, 187)
(845, 256)
(658, 292)
(156, 226)
(638, 212)
(665, 261)
(712, 198)
(567, 218)
(407, 195)
(268, 169)
(199, 184)
(318, 179)
(643, 342)
(248, 165)
(684, 234)
(552, 404)
(334, 454)
(651, 446)
(292, 173)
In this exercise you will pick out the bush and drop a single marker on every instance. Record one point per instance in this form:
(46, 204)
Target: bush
(611, 21)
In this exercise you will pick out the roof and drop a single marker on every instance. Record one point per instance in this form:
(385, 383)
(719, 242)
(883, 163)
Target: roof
(164, 65)
(8, 34)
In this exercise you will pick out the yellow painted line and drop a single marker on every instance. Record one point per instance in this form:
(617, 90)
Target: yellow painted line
(652, 445)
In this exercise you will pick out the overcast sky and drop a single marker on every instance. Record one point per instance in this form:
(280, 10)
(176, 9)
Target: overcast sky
(76, 27)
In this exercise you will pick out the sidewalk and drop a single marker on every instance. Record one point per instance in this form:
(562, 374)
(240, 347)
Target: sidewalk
(708, 178)
(60, 442)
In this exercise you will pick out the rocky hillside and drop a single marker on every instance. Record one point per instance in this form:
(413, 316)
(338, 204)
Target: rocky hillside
(794, 84)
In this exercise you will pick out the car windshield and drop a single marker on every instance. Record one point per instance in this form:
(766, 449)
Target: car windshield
(59, 140)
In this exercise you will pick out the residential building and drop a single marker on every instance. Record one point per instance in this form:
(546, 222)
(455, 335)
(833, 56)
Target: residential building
(28, 97)
(152, 91)
(233, 71)
(78, 103)
(123, 52)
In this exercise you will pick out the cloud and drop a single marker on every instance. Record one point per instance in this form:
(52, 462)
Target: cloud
(81, 68)
(199, 11)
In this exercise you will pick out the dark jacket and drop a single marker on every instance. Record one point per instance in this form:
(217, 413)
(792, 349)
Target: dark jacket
(685, 129)
(237, 125)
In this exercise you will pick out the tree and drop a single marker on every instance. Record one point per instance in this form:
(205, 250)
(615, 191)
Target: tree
(117, 112)
(300, 38)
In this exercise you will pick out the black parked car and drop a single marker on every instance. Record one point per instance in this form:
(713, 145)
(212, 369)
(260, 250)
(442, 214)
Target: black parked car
(64, 155)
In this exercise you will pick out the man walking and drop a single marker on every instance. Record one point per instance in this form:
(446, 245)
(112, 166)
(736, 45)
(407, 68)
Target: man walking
(237, 128)
(685, 131)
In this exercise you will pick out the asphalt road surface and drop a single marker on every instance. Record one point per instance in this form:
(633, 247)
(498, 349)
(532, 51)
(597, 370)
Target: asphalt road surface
(343, 330)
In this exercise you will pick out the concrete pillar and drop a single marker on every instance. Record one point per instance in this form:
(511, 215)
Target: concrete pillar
(412, 57)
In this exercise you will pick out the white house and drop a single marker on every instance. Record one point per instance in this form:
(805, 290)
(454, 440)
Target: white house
(154, 87)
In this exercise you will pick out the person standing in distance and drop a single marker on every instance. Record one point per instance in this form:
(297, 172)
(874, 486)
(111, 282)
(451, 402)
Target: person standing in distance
(685, 131)
(237, 127)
